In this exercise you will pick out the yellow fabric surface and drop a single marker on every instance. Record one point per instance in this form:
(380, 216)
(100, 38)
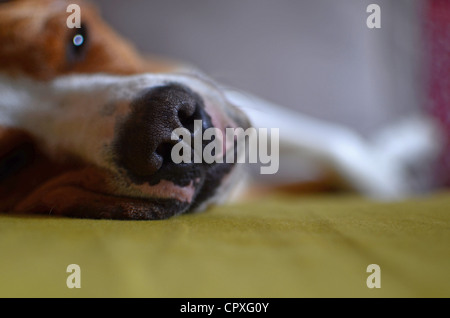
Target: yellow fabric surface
(318, 246)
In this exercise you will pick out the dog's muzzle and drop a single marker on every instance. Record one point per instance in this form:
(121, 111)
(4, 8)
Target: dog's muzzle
(143, 144)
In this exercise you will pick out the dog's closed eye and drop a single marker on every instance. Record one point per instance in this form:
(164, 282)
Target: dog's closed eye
(77, 44)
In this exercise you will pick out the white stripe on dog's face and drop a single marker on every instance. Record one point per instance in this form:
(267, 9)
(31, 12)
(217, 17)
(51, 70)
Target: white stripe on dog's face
(82, 116)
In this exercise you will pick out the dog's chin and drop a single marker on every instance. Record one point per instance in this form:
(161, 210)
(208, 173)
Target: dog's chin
(93, 193)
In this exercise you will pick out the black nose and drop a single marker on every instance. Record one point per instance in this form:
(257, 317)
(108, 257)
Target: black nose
(143, 144)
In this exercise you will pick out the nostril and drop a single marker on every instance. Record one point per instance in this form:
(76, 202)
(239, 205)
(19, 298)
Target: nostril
(187, 118)
(164, 151)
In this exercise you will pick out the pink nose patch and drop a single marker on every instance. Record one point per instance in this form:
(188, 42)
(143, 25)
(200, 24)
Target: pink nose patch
(168, 190)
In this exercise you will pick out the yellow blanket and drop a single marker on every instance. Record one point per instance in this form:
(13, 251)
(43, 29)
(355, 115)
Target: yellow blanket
(316, 246)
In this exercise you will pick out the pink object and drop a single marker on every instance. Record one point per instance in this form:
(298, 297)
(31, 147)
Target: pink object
(437, 33)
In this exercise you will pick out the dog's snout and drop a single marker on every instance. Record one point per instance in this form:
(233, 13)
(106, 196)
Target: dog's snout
(143, 144)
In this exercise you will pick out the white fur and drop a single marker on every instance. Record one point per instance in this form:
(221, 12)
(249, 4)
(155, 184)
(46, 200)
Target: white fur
(378, 168)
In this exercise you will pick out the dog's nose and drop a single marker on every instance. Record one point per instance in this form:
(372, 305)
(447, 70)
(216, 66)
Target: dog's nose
(143, 145)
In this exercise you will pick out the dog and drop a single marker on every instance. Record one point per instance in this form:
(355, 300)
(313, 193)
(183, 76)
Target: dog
(95, 144)
(86, 128)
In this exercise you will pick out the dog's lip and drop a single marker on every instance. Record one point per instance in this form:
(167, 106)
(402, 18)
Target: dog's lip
(85, 193)
(75, 200)
(166, 189)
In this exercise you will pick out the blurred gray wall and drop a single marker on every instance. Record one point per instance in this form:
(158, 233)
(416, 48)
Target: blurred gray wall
(317, 56)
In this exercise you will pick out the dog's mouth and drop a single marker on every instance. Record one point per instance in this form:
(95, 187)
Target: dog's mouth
(190, 185)
(168, 198)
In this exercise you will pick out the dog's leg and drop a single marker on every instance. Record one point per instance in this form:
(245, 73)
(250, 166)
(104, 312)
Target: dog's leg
(376, 169)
